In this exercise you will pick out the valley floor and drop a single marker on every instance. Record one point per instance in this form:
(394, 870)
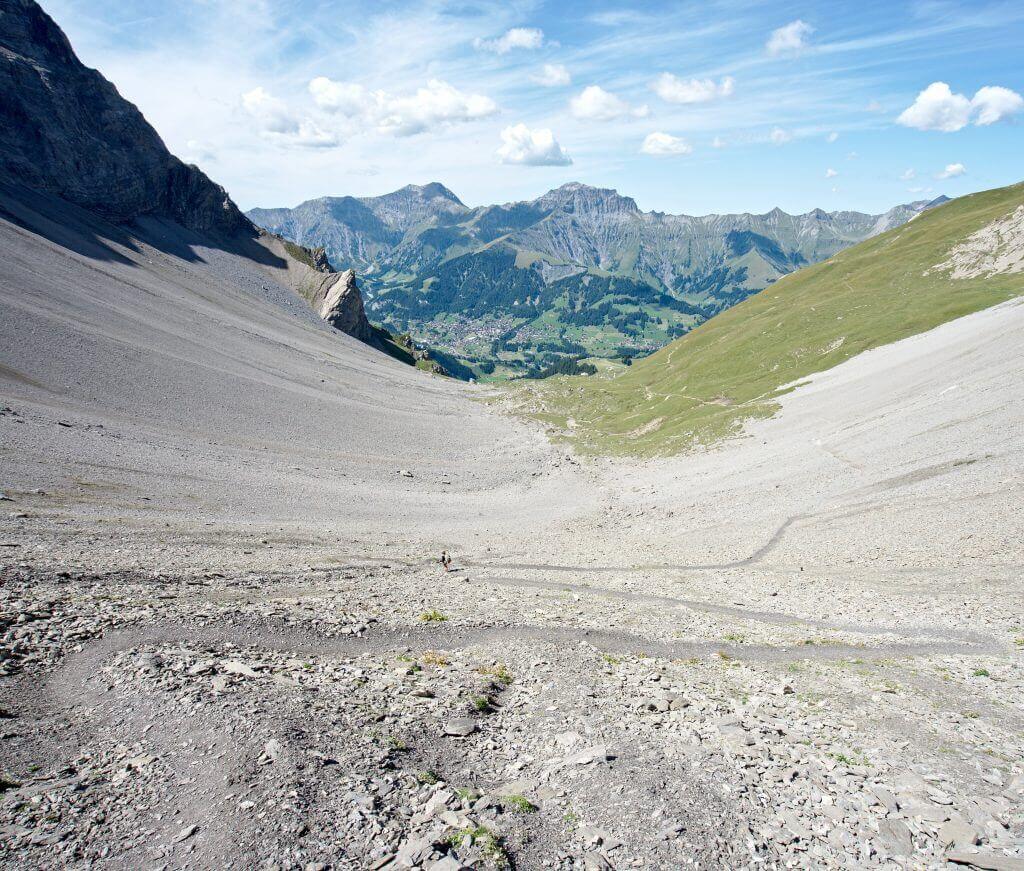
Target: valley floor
(235, 647)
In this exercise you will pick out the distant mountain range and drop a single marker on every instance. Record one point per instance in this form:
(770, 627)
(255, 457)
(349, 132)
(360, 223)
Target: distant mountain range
(580, 271)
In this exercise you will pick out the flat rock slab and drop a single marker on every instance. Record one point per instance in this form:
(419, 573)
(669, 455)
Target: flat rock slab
(460, 727)
(988, 861)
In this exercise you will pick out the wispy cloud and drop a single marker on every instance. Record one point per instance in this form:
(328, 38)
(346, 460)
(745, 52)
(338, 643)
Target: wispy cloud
(675, 90)
(553, 76)
(790, 39)
(516, 37)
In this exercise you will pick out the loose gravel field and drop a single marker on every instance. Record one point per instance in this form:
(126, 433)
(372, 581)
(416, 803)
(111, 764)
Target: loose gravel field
(227, 641)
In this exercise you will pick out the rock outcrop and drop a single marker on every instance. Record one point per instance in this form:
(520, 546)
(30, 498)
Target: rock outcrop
(65, 130)
(342, 307)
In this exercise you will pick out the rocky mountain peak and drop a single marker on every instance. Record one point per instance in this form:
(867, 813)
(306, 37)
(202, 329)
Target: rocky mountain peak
(65, 130)
(582, 198)
(433, 190)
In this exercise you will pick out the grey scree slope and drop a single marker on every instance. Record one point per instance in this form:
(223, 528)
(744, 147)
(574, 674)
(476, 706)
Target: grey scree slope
(800, 646)
(226, 641)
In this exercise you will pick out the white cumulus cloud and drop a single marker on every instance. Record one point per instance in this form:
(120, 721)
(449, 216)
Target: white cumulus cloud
(778, 136)
(517, 37)
(346, 98)
(994, 103)
(525, 147)
(832, 137)
(937, 107)
(665, 145)
(553, 76)
(908, 175)
(437, 104)
(277, 121)
(830, 173)
(952, 170)
(789, 39)
(594, 103)
(672, 89)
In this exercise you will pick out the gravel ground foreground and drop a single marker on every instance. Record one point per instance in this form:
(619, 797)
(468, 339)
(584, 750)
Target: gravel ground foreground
(227, 641)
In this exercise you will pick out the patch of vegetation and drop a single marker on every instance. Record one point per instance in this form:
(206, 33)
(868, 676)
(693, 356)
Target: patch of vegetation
(433, 616)
(851, 759)
(735, 637)
(428, 777)
(564, 366)
(481, 704)
(981, 672)
(611, 660)
(432, 657)
(520, 804)
(499, 673)
(303, 255)
(490, 844)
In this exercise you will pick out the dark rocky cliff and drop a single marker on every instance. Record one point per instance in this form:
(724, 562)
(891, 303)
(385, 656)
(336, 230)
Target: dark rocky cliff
(65, 130)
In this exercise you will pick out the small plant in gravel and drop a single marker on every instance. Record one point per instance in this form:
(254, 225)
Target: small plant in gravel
(433, 616)
(734, 637)
(429, 778)
(981, 672)
(850, 759)
(1019, 641)
(499, 673)
(481, 704)
(971, 715)
(490, 845)
(432, 657)
(611, 660)
(396, 743)
(520, 804)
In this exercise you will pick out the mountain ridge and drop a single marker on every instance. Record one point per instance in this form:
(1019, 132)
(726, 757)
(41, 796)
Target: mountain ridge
(579, 270)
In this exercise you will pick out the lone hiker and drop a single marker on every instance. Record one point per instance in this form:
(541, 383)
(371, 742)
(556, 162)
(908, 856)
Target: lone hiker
(446, 560)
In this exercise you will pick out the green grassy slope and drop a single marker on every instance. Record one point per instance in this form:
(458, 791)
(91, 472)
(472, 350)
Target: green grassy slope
(703, 386)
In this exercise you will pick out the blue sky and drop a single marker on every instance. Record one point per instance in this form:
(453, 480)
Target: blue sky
(689, 107)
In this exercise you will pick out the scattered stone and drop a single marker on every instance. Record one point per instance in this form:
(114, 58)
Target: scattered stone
(460, 727)
(186, 833)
